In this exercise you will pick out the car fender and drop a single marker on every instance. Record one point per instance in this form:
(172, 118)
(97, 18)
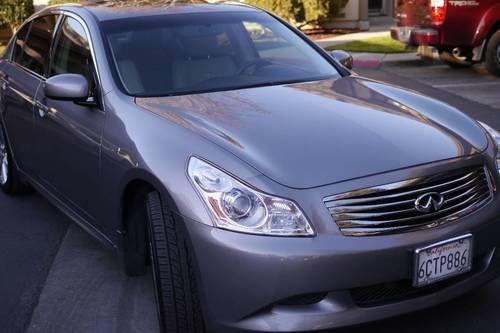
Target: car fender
(142, 145)
(490, 18)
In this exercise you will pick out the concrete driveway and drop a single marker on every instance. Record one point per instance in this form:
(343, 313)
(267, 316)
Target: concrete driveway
(87, 291)
(473, 83)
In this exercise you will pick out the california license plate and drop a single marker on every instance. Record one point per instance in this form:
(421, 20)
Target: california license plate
(443, 260)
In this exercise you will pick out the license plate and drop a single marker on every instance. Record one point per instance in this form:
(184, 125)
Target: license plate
(443, 260)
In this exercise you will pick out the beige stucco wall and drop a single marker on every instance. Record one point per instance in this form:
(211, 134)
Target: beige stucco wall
(353, 16)
(39, 4)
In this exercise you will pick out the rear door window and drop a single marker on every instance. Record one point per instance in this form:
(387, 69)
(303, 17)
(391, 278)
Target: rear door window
(37, 47)
(19, 43)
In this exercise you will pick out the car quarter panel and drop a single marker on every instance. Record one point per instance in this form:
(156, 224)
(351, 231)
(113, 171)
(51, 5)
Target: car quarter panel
(461, 14)
(490, 19)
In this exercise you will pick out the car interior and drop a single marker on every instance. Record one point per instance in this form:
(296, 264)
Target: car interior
(198, 57)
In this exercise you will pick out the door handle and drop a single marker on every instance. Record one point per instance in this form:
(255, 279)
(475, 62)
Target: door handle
(5, 82)
(42, 110)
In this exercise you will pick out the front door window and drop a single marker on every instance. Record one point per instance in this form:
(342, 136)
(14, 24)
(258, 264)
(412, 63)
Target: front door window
(72, 53)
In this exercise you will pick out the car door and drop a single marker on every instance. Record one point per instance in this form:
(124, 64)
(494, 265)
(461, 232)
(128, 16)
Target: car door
(21, 76)
(68, 134)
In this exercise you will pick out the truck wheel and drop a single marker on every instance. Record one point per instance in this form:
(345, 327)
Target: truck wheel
(10, 179)
(177, 300)
(493, 54)
(447, 58)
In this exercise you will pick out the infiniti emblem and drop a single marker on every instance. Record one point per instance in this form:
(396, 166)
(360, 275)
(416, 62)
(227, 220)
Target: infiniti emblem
(429, 202)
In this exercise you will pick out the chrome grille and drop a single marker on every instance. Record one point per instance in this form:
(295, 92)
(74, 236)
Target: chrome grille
(391, 208)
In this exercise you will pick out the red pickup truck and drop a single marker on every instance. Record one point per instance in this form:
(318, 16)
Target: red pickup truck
(463, 31)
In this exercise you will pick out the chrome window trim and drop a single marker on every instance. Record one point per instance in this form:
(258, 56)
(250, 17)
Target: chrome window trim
(330, 204)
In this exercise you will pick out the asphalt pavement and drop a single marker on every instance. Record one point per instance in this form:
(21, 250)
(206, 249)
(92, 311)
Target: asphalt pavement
(57, 279)
(30, 234)
(474, 83)
(87, 291)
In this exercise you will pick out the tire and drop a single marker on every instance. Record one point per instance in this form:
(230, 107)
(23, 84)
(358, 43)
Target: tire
(10, 179)
(177, 299)
(447, 58)
(492, 56)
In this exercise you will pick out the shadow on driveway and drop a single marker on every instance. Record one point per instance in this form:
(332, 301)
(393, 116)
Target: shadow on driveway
(31, 231)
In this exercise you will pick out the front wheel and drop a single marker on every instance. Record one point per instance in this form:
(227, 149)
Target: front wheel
(177, 300)
(493, 54)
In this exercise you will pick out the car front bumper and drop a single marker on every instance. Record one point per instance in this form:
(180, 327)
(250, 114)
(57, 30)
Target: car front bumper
(259, 283)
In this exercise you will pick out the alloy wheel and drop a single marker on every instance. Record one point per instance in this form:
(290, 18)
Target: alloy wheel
(4, 160)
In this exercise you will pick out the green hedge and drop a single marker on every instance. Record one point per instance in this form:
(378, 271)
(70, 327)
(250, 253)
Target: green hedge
(297, 11)
(57, 2)
(302, 11)
(15, 12)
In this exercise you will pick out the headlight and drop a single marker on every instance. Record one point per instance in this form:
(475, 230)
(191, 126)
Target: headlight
(496, 137)
(235, 206)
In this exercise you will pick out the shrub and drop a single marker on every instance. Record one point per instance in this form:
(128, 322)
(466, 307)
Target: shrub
(15, 12)
(302, 11)
(57, 2)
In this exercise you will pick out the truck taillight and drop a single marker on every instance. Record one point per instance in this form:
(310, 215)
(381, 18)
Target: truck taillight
(438, 10)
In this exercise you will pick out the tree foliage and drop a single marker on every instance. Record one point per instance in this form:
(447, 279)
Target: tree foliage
(57, 2)
(15, 12)
(302, 11)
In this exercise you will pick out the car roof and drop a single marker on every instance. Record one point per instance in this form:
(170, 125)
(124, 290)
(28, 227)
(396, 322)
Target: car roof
(111, 10)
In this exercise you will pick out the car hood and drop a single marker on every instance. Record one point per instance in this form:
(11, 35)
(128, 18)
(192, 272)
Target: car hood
(316, 133)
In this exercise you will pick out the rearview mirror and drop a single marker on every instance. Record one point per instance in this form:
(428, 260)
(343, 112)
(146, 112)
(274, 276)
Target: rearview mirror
(343, 57)
(67, 87)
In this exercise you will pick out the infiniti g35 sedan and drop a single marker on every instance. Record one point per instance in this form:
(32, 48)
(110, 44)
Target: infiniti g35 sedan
(267, 186)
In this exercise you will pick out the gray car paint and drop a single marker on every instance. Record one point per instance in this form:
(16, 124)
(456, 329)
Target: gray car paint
(302, 141)
(314, 126)
(72, 87)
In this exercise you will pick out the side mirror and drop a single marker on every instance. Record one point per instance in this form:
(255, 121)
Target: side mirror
(343, 57)
(67, 87)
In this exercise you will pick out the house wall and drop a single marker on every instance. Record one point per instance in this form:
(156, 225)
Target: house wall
(386, 9)
(353, 16)
(39, 4)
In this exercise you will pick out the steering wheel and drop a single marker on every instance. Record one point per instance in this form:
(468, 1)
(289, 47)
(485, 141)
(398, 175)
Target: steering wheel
(257, 63)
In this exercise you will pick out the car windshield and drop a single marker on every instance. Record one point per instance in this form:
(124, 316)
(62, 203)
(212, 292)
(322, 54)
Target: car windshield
(192, 53)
